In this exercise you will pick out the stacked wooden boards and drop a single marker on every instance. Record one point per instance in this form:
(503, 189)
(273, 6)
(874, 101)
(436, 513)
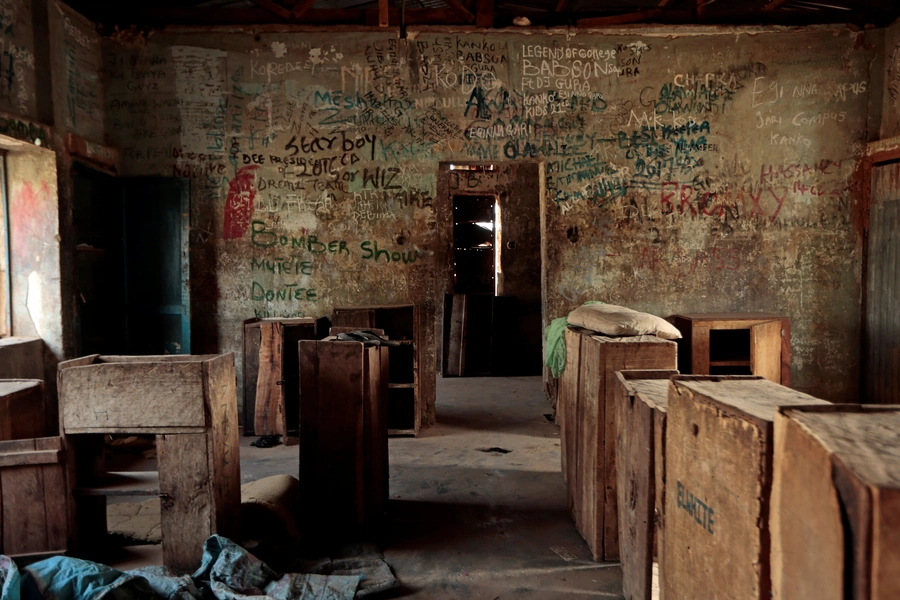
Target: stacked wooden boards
(343, 440)
(33, 493)
(641, 404)
(836, 503)
(189, 402)
(586, 413)
(719, 452)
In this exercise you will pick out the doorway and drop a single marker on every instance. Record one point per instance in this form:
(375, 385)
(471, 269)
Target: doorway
(881, 380)
(491, 322)
(131, 263)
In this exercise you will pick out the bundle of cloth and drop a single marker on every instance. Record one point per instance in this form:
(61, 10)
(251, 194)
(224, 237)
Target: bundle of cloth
(607, 319)
(227, 572)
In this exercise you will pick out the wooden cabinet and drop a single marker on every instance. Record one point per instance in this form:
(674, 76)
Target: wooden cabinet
(719, 451)
(586, 413)
(343, 440)
(835, 516)
(271, 373)
(189, 402)
(407, 368)
(735, 344)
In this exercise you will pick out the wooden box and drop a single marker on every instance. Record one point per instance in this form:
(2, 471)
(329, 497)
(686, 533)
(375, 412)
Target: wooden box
(409, 372)
(33, 493)
(270, 372)
(641, 405)
(588, 426)
(343, 440)
(21, 358)
(718, 483)
(735, 344)
(22, 409)
(836, 503)
(33, 498)
(190, 403)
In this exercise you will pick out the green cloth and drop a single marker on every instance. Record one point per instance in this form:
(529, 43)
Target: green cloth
(555, 346)
(555, 343)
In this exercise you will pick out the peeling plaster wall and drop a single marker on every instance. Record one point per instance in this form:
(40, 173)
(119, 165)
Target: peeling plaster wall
(76, 65)
(686, 170)
(17, 50)
(34, 251)
(890, 123)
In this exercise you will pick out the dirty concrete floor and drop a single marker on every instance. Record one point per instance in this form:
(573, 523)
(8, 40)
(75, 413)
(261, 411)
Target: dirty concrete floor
(472, 524)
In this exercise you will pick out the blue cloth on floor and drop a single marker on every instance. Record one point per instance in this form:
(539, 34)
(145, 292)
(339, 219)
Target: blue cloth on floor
(227, 571)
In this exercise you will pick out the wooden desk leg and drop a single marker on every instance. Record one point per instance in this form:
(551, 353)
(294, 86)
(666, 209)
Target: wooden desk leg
(186, 504)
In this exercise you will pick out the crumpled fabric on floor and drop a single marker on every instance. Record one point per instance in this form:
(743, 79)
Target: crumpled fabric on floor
(227, 571)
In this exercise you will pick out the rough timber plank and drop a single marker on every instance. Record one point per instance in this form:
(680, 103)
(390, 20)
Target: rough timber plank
(224, 460)
(185, 499)
(765, 350)
(640, 416)
(591, 472)
(269, 414)
(567, 410)
(719, 462)
(250, 372)
(21, 358)
(122, 395)
(24, 524)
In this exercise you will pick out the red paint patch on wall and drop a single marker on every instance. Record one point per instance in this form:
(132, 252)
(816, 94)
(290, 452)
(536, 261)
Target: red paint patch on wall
(29, 211)
(239, 204)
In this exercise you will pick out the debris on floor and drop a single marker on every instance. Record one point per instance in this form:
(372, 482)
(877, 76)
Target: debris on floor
(267, 441)
(494, 450)
(227, 572)
(135, 523)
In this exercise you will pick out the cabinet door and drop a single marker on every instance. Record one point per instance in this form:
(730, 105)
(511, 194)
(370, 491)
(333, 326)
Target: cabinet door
(269, 418)
(765, 350)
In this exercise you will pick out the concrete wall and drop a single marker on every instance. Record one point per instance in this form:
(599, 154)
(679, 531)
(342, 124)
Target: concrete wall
(686, 169)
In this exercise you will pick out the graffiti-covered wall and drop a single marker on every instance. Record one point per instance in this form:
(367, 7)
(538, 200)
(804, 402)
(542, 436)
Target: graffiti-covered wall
(685, 170)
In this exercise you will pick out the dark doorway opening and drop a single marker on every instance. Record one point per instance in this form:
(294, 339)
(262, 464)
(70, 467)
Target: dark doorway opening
(474, 244)
(131, 263)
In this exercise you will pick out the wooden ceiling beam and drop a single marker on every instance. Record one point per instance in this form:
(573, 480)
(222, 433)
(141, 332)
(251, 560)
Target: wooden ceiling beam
(274, 8)
(484, 13)
(461, 10)
(773, 4)
(384, 13)
(300, 8)
(562, 5)
(623, 19)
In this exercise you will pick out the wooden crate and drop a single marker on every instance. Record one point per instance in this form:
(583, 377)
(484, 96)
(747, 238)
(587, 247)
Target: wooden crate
(641, 405)
(33, 498)
(411, 377)
(22, 409)
(271, 380)
(343, 440)
(33, 494)
(588, 426)
(735, 344)
(836, 503)
(21, 358)
(718, 480)
(190, 403)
